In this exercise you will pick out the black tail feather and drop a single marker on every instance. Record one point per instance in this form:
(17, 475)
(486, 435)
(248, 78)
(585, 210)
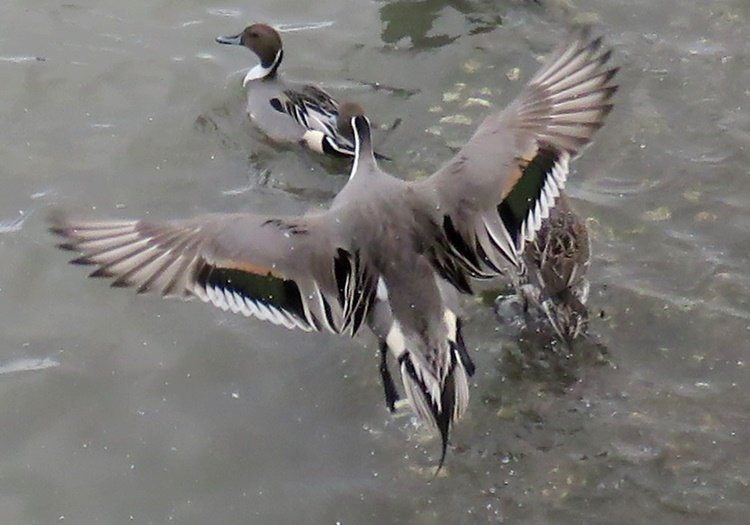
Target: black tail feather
(463, 354)
(391, 394)
(445, 416)
(441, 416)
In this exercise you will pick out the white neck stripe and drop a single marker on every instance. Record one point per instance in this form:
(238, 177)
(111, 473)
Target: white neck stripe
(258, 71)
(358, 147)
(357, 150)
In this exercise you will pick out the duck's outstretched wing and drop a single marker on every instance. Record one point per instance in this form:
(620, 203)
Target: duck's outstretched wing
(289, 271)
(491, 198)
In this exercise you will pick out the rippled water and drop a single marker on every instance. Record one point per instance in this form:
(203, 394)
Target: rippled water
(124, 409)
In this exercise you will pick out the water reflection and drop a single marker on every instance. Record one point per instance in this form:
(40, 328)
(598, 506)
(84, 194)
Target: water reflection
(535, 353)
(537, 356)
(407, 19)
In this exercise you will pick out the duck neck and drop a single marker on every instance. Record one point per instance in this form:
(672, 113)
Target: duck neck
(364, 156)
(264, 70)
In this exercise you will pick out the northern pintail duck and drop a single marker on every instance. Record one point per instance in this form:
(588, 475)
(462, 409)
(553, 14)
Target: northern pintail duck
(388, 253)
(554, 283)
(287, 111)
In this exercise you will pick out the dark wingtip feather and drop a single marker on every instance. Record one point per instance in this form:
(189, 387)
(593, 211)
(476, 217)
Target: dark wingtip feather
(81, 261)
(609, 91)
(610, 74)
(604, 58)
(595, 43)
(121, 283)
(100, 273)
(56, 217)
(58, 223)
(606, 109)
(582, 32)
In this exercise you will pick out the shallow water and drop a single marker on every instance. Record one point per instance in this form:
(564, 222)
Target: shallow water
(124, 409)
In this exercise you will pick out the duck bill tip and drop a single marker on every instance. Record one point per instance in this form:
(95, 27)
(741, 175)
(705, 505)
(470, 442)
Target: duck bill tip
(235, 40)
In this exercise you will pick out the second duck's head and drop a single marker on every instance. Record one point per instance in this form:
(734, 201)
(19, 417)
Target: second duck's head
(263, 40)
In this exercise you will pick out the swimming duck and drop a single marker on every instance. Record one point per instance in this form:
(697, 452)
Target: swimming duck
(555, 282)
(387, 253)
(287, 111)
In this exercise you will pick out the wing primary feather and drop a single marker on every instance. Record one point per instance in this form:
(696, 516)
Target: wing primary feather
(173, 256)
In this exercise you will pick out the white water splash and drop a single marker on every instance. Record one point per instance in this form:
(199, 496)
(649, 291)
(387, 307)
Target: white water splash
(21, 59)
(290, 28)
(12, 225)
(224, 12)
(28, 364)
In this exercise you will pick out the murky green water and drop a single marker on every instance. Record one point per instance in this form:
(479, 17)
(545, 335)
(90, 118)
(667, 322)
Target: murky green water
(123, 409)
